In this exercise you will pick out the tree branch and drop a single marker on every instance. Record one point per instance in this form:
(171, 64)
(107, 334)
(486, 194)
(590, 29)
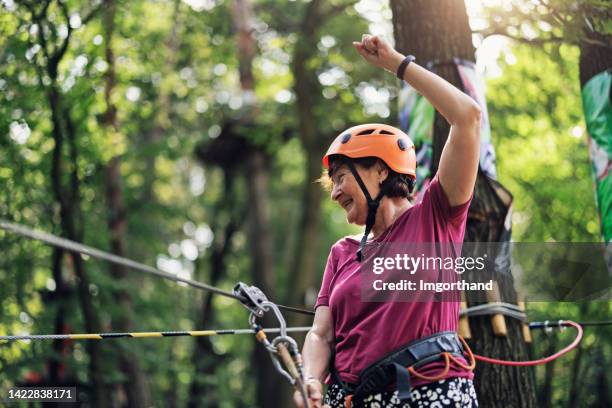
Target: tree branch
(92, 13)
(282, 22)
(333, 11)
(37, 19)
(57, 55)
(503, 31)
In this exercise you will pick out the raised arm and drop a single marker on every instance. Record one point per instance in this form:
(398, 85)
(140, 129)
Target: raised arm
(459, 161)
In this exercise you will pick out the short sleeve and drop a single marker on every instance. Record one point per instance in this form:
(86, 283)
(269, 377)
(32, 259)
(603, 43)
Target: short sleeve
(324, 292)
(436, 197)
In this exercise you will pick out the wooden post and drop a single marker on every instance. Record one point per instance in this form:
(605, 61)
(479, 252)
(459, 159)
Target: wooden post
(520, 302)
(497, 320)
(464, 323)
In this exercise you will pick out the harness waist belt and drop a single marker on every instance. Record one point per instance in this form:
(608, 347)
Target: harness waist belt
(394, 366)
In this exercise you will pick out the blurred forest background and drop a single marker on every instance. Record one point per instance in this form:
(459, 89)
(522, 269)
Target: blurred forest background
(187, 134)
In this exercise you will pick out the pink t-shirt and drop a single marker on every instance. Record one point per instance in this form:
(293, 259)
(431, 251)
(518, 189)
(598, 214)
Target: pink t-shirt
(367, 331)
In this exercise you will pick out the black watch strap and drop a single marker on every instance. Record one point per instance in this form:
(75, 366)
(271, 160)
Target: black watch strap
(402, 67)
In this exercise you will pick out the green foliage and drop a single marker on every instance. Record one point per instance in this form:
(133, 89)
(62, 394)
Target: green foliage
(539, 133)
(177, 85)
(557, 21)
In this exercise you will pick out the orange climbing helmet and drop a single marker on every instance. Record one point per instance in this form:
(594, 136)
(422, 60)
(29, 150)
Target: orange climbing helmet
(385, 142)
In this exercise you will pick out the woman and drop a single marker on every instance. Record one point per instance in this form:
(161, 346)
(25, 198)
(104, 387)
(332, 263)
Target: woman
(372, 173)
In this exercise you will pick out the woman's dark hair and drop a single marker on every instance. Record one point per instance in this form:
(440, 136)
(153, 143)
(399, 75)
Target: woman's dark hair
(396, 184)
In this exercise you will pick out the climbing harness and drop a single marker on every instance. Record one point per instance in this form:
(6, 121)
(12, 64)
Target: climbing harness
(400, 365)
(385, 142)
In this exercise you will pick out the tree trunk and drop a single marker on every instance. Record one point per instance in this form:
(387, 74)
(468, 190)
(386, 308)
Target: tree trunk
(200, 391)
(66, 187)
(545, 393)
(69, 206)
(307, 91)
(257, 176)
(576, 379)
(135, 385)
(595, 59)
(436, 32)
(161, 122)
(602, 381)
(269, 381)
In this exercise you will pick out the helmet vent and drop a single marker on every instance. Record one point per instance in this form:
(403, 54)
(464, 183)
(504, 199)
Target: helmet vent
(401, 144)
(366, 132)
(385, 132)
(346, 137)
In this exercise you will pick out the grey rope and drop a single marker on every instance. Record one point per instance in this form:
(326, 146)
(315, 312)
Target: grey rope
(119, 260)
(506, 309)
(96, 253)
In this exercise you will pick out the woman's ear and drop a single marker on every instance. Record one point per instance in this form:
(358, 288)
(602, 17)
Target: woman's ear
(383, 172)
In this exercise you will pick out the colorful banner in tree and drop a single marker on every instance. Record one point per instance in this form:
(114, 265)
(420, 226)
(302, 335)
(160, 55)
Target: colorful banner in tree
(597, 105)
(474, 86)
(416, 117)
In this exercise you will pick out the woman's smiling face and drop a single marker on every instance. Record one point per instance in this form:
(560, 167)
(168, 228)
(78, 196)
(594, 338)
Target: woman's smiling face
(347, 193)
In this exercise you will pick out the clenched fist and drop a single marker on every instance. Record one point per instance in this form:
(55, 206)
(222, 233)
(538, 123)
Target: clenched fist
(378, 52)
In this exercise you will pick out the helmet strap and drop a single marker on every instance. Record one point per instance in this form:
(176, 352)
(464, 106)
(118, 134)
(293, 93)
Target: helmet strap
(372, 207)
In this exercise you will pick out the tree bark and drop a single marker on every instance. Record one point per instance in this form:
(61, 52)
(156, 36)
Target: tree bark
(595, 59)
(69, 203)
(436, 32)
(58, 298)
(135, 386)
(161, 120)
(200, 391)
(307, 92)
(602, 381)
(269, 380)
(66, 192)
(257, 177)
(545, 393)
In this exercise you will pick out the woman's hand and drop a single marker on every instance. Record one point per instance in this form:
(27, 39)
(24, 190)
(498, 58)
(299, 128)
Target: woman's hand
(378, 52)
(314, 388)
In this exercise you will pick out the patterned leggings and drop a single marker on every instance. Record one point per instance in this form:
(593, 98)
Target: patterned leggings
(452, 392)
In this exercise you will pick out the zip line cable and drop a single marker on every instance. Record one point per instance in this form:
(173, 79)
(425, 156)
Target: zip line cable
(200, 333)
(77, 247)
(141, 335)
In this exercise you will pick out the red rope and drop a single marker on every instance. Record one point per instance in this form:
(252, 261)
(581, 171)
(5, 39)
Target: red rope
(541, 360)
(446, 356)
